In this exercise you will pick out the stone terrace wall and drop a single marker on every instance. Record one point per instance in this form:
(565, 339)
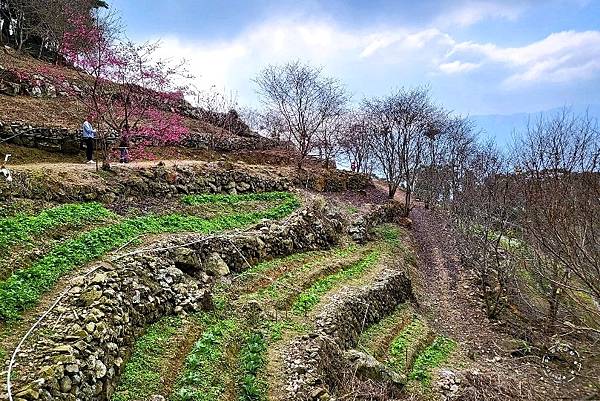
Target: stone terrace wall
(166, 181)
(94, 327)
(314, 364)
(155, 181)
(310, 229)
(360, 229)
(332, 180)
(52, 139)
(92, 330)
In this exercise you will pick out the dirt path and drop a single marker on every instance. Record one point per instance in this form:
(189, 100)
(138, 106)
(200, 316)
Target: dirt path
(92, 167)
(446, 297)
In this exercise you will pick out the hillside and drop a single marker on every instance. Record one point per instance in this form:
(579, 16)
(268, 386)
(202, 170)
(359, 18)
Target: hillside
(227, 266)
(35, 114)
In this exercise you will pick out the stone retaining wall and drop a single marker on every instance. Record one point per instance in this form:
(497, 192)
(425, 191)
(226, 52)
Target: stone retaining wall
(309, 229)
(314, 364)
(165, 182)
(361, 229)
(157, 181)
(87, 338)
(332, 180)
(53, 139)
(90, 335)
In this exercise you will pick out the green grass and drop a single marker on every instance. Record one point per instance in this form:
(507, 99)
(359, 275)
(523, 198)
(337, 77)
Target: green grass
(431, 358)
(24, 287)
(235, 199)
(312, 296)
(389, 233)
(252, 360)
(400, 347)
(204, 377)
(21, 228)
(141, 379)
(272, 264)
(385, 327)
(284, 284)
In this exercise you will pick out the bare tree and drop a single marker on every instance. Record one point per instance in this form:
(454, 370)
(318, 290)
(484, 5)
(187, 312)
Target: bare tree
(483, 212)
(329, 137)
(303, 98)
(446, 159)
(400, 126)
(559, 163)
(356, 142)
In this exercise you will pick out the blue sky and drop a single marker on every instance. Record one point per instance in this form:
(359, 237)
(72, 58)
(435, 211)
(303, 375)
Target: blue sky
(479, 57)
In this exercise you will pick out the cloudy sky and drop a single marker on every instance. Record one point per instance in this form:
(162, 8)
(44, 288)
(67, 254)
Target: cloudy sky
(479, 57)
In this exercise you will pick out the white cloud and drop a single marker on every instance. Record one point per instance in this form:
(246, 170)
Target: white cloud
(456, 67)
(398, 55)
(560, 57)
(233, 63)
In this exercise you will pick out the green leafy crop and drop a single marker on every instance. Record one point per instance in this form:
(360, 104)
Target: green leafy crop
(252, 359)
(402, 343)
(311, 297)
(433, 356)
(140, 378)
(24, 287)
(19, 229)
(203, 376)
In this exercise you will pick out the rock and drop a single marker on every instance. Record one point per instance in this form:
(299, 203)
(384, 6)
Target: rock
(72, 368)
(99, 370)
(186, 259)
(371, 368)
(63, 349)
(90, 327)
(99, 278)
(90, 296)
(28, 394)
(319, 394)
(157, 398)
(66, 384)
(36, 91)
(216, 266)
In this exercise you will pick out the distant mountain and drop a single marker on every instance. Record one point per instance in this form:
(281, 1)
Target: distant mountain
(500, 127)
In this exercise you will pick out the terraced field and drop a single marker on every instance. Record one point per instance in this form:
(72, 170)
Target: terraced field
(37, 250)
(333, 318)
(237, 351)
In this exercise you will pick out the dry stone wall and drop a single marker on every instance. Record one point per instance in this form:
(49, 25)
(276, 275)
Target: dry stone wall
(62, 140)
(165, 182)
(157, 181)
(87, 338)
(361, 229)
(314, 364)
(93, 328)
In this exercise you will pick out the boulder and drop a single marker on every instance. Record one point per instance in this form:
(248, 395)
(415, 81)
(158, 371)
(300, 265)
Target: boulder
(369, 367)
(215, 265)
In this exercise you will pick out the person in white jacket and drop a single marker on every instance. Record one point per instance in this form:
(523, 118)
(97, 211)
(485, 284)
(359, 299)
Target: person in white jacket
(89, 135)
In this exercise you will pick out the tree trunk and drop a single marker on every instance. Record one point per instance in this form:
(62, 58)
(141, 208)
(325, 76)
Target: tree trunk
(392, 188)
(407, 197)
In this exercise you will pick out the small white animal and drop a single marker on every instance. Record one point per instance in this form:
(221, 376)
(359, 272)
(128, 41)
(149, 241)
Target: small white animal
(5, 171)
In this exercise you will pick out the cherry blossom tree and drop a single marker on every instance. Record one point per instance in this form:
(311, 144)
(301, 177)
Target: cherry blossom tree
(131, 94)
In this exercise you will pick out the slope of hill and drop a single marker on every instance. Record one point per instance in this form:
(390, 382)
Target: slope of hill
(34, 113)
